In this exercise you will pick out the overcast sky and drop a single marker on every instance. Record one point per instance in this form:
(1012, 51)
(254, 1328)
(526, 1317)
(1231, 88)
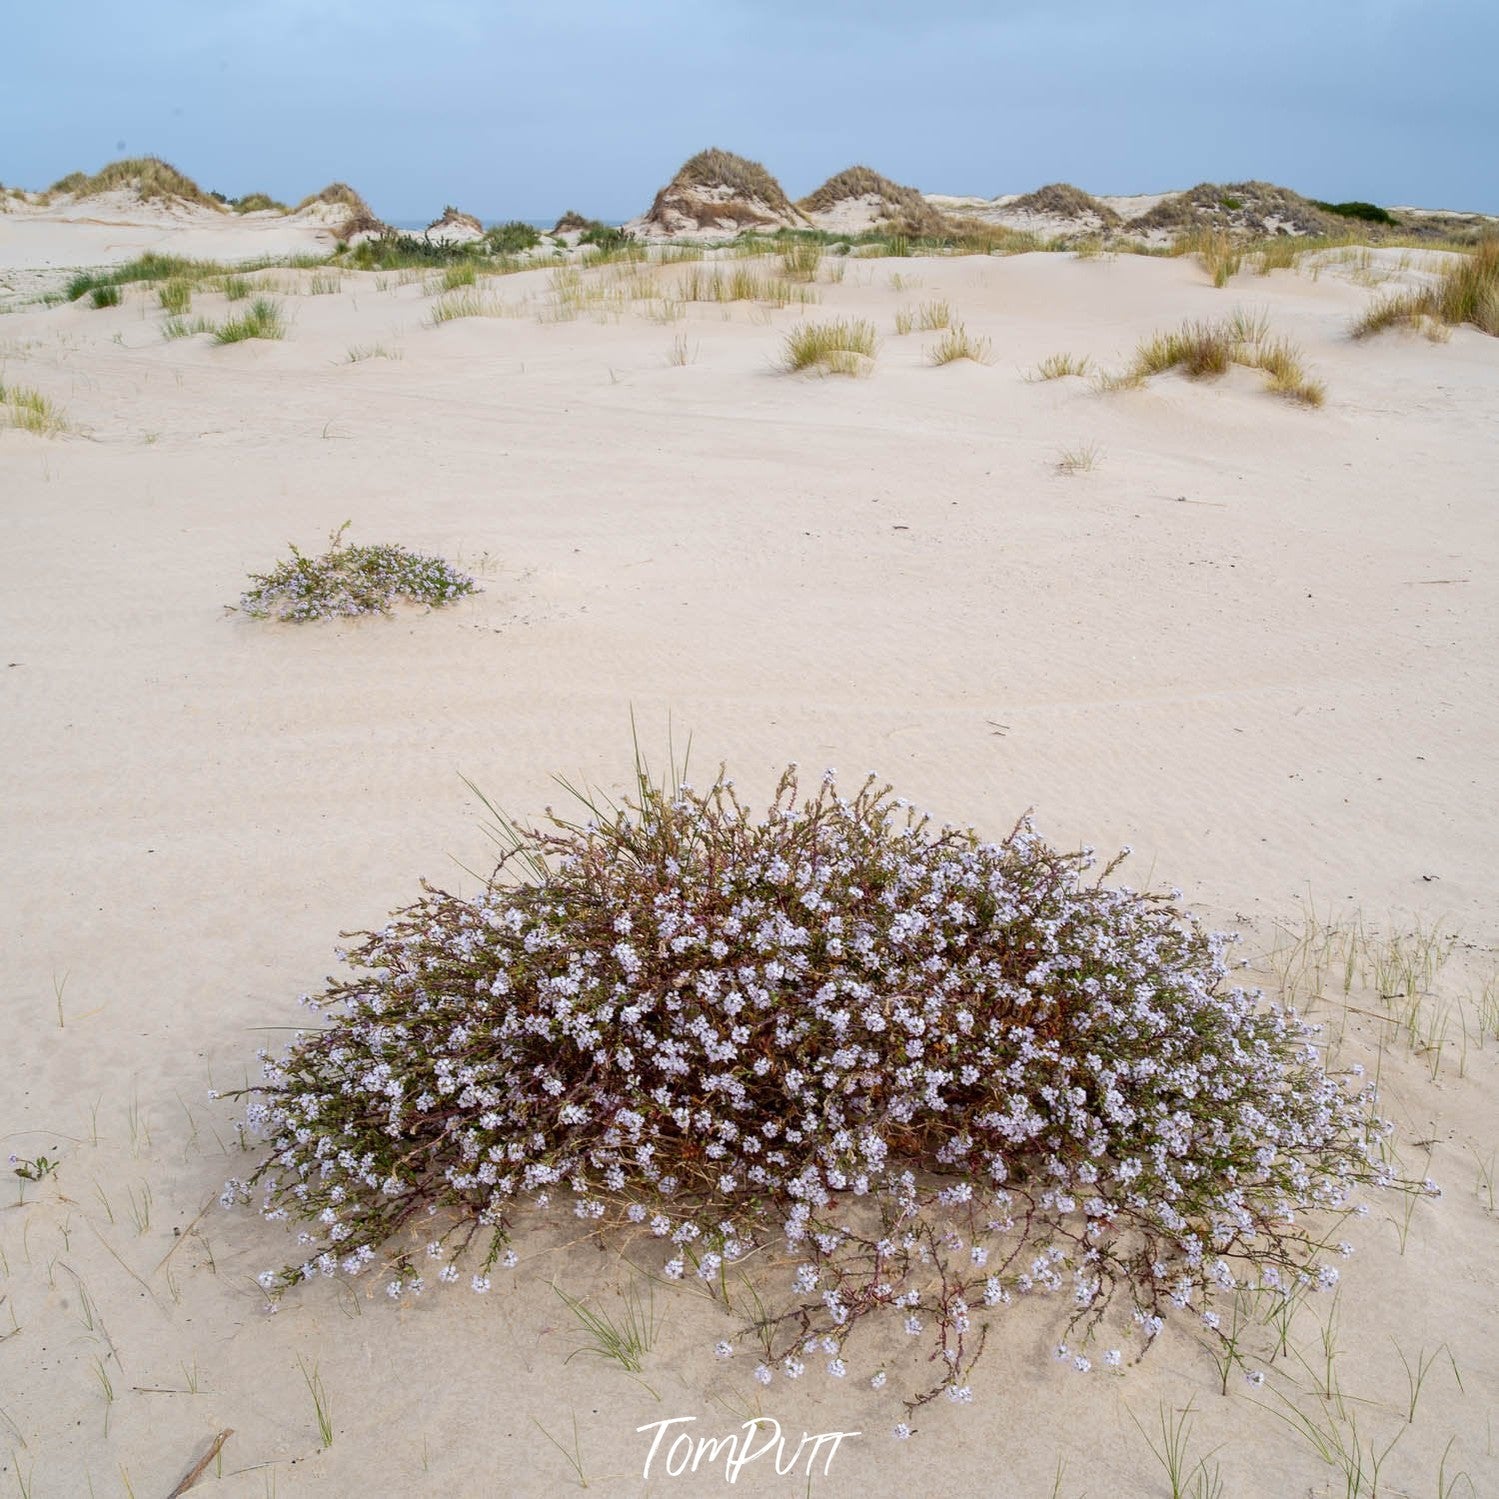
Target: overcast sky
(521, 111)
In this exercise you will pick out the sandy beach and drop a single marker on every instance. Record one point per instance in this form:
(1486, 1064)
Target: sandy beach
(1252, 640)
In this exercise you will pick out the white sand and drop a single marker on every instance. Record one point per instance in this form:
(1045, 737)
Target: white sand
(1256, 642)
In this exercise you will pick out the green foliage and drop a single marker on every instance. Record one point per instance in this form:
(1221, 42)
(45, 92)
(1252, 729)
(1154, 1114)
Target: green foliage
(1369, 213)
(513, 238)
(105, 296)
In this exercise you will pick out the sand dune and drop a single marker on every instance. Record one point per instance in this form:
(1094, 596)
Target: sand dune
(1255, 641)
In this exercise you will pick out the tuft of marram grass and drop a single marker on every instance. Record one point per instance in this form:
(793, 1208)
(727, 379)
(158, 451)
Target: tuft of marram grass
(263, 319)
(175, 296)
(31, 411)
(1059, 366)
(348, 580)
(1082, 458)
(942, 1072)
(181, 327)
(1467, 291)
(957, 343)
(1202, 350)
(105, 296)
(840, 347)
(933, 316)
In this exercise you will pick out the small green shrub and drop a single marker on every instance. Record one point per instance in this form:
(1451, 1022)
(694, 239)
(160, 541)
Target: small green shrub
(30, 410)
(1369, 213)
(514, 238)
(349, 580)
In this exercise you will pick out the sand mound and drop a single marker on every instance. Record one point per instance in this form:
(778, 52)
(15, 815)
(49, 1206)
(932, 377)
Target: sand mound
(341, 210)
(146, 177)
(716, 193)
(454, 227)
(573, 222)
(858, 199)
(1241, 207)
(1060, 200)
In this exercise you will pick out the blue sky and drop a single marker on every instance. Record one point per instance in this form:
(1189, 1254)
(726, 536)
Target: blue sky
(525, 110)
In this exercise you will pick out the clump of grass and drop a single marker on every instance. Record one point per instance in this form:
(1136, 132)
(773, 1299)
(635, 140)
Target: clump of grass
(30, 410)
(800, 260)
(262, 320)
(462, 304)
(944, 1071)
(175, 296)
(105, 296)
(1281, 361)
(462, 274)
(237, 288)
(957, 344)
(181, 327)
(1466, 292)
(1203, 350)
(323, 285)
(349, 579)
(1059, 366)
(1218, 252)
(1081, 459)
(360, 352)
(933, 316)
(740, 284)
(905, 320)
(840, 347)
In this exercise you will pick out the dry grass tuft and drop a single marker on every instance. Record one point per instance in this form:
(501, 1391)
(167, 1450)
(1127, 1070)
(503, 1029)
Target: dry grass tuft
(1060, 366)
(1082, 459)
(959, 344)
(30, 410)
(1204, 350)
(843, 347)
(933, 316)
(1467, 292)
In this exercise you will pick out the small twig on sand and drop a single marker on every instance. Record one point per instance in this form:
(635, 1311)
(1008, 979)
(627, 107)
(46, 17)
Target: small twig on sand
(201, 1466)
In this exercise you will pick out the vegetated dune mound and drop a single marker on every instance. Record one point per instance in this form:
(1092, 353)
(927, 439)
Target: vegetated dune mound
(1061, 200)
(1256, 208)
(573, 222)
(716, 194)
(342, 211)
(148, 178)
(859, 199)
(454, 227)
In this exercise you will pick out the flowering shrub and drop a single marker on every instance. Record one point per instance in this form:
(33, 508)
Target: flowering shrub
(349, 579)
(943, 1073)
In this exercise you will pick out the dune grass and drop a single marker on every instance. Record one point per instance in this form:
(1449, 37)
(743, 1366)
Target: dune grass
(1218, 253)
(175, 296)
(957, 343)
(30, 410)
(360, 352)
(740, 283)
(800, 261)
(1467, 291)
(465, 302)
(1082, 458)
(183, 327)
(932, 316)
(1202, 350)
(150, 176)
(465, 273)
(263, 319)
(105, 296)
(1059, 366)
(845, 346)
(237, 288)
